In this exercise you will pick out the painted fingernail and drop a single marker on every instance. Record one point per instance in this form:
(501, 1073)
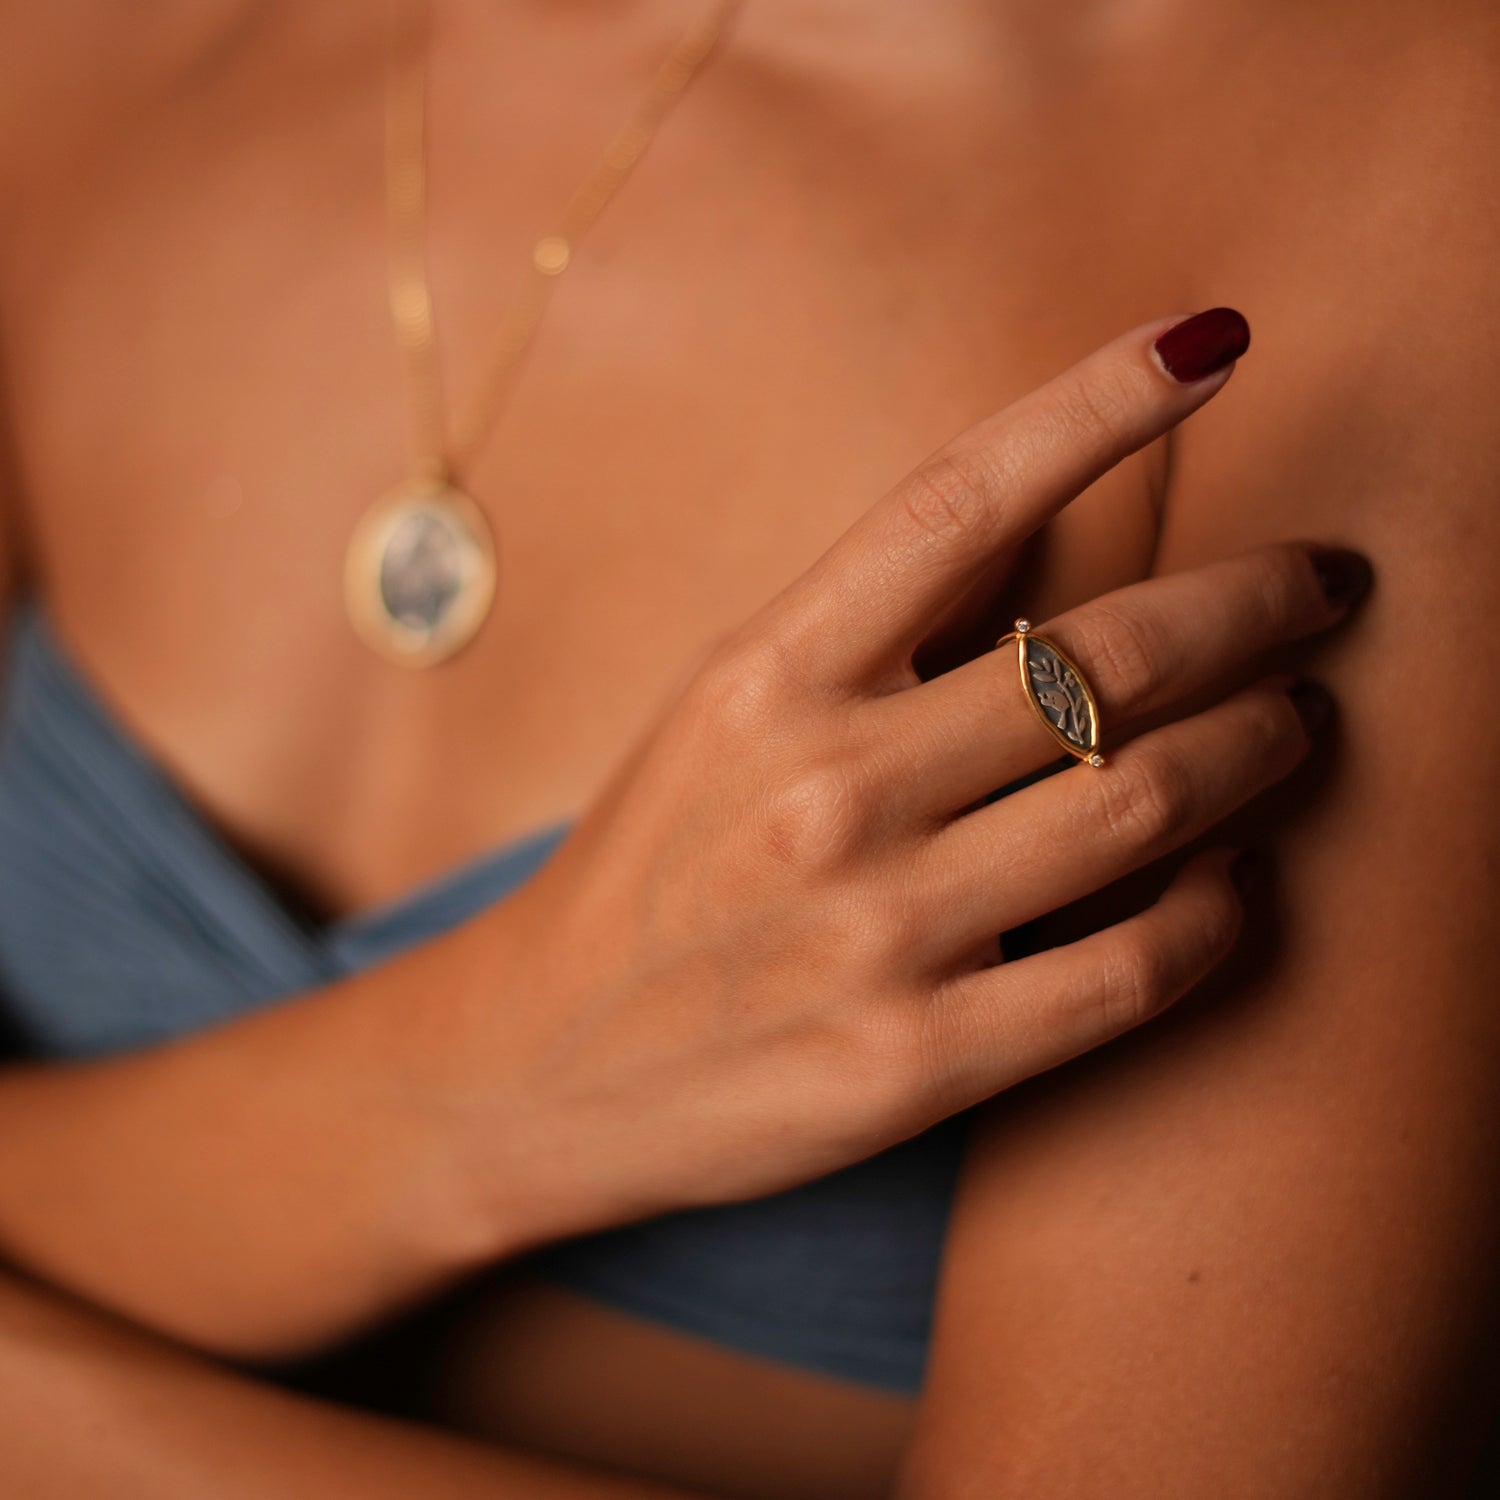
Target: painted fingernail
(1343, 575)
(1201, 345)
(1314, 704)
(1246, 869)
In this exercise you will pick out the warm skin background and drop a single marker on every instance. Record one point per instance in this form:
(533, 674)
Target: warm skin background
(1249, 1255)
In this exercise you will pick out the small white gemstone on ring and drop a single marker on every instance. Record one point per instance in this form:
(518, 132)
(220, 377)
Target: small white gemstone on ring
(1096, 759)
(1022, 626)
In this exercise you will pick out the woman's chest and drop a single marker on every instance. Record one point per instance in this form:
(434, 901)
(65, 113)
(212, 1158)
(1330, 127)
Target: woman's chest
(811, 280)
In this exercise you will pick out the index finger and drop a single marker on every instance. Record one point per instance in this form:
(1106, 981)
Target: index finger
(873, 596)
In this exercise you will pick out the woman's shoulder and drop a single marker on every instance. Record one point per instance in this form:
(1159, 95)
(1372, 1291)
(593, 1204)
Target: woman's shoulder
(1339, 189)
(1355, 223)
(1353, 123)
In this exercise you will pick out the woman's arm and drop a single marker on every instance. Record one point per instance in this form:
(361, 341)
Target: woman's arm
(662, 1017)
(267, 1185)
(92, 1406)
(1253, 1253)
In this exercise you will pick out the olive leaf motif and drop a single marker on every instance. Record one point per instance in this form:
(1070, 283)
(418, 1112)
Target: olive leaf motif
(1058, 692)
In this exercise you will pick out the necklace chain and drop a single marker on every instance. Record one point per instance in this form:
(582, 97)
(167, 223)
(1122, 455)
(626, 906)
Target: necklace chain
(438, 454)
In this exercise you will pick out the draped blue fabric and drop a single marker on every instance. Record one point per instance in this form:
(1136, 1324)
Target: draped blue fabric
(126, 920)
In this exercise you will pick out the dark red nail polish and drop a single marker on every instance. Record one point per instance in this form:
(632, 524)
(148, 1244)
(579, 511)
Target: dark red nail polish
(1199, 346)
(1342, 575)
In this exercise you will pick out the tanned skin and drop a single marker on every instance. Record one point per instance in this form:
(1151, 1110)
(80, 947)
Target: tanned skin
(1247, 1252)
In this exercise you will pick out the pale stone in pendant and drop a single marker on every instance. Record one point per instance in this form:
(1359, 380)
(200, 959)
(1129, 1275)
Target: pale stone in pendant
(423, 568)
(419, 573)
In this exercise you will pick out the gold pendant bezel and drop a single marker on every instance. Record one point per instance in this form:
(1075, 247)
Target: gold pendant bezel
(388, 636)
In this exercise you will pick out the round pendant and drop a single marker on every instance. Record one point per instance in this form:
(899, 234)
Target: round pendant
(419, 574)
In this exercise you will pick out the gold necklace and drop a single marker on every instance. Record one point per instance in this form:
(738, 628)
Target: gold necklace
(419, 573)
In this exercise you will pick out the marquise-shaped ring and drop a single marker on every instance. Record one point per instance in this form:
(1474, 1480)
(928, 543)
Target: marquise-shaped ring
(1058, 692)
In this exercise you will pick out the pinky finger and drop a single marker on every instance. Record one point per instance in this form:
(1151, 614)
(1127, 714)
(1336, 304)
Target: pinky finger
(994, 1027)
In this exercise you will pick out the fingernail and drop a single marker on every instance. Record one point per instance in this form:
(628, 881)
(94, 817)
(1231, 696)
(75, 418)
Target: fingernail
(1199, 346)
(1313, 703)
(1246, 869)
(1343, 575)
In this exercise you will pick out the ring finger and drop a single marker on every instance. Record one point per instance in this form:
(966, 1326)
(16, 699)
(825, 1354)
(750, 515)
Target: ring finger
(1062, 838)
(947, 743)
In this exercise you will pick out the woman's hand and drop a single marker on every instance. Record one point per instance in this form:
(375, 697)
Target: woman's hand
(768, 951)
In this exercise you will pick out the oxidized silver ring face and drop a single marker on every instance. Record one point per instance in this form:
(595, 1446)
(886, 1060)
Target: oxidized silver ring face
(1058, 692)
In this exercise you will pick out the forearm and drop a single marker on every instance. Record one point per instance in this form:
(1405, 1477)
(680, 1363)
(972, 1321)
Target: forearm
(92, 1406)
(277, 1181)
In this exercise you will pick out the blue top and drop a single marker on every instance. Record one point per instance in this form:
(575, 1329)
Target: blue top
(126, 919)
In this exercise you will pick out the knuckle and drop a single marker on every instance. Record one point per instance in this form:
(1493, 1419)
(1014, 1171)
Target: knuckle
(743, 686)
(1153, 961)
(1128, 656)
(949, 497)
(1136, 981)
(816, 817)
(1148, 805)
(1219, 923)
(1267, 731)
(1202, 928)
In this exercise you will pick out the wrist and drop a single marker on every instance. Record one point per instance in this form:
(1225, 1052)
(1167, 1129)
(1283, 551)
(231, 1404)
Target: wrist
(475, 1176)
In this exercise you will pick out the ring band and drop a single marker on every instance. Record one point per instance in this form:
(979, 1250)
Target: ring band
(1058, 692)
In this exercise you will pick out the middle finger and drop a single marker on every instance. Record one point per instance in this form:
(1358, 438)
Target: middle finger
(947, 743)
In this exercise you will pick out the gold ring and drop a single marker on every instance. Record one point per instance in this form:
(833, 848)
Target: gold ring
(1058, 692)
